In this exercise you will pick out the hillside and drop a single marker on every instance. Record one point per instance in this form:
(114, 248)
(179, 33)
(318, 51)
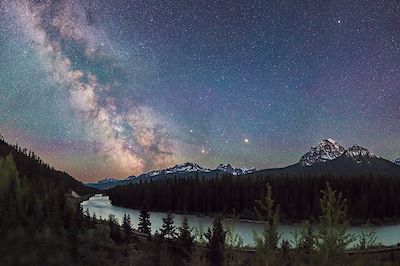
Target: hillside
(43, 176)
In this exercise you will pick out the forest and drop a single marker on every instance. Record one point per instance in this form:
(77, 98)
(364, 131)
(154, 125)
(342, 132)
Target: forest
(370, 198)
(42, 223)
(51, 229)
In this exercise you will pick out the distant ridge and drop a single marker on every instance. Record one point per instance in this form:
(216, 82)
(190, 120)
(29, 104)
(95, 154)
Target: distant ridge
(327, 157)
(179, 170)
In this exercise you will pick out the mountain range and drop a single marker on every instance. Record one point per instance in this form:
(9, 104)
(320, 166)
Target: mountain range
(179, 170)
(327, 157)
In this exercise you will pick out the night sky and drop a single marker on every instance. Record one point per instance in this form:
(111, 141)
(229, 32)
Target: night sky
(114, 88)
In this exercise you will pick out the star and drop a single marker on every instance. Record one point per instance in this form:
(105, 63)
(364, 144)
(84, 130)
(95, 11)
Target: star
(170, 84)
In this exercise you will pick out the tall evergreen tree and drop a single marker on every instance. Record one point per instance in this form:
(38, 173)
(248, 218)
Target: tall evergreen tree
(144, 222)
(185, 239)
(168, 229)
(267, 241)
(305, 240)
(115, 231)
(216, 243)
(127, 227)
(332, 238)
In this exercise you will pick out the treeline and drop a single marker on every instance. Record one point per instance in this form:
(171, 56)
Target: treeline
(45, 177)
(44, 227)
(325, 243)
(51, 229)
(373, 198)
(42, 224)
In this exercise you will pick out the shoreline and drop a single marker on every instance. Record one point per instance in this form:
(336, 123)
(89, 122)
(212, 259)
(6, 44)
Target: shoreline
(352, 222)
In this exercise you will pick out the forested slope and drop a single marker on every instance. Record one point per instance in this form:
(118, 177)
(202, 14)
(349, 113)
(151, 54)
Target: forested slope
(43, 177)
(368, 196)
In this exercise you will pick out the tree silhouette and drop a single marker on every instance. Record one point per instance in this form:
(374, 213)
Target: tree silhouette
(168, 229)
(185, 239)
(216, 243)
(144, 222)
(267, 241)
(127, 227)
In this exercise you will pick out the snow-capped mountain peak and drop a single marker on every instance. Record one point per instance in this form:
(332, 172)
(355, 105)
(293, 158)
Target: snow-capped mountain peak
(187, 167)
(131, 177)
(397, 161)
(179, 168)
(326, 150)
(357, 152)
(225, 167)
(235, 171)
(107, 180)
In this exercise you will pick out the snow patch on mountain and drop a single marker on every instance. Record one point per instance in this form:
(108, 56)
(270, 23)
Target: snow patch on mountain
(107, 180)
(179, 168)
(358, 151)
(187, 167)
(397, 161)
(326, 150)
(359, 154)
(235, 170)
(130, 177)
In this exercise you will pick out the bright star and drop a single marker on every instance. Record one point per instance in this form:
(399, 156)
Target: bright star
(246, 140)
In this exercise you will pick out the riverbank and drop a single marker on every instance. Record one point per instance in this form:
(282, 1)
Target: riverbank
(101, 205)
(251, 219)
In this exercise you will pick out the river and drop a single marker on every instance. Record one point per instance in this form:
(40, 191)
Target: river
(102, 207)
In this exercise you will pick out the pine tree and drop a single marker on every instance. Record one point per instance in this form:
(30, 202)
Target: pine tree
(115, 231)
(168, 229)
(306, 243)
(267, 241)
(216, 243)
(332, 238)
(185, 239)
(144, 222)
(127, 227)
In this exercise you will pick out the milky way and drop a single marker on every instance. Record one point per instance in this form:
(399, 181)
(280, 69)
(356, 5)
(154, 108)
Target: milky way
(114, 88)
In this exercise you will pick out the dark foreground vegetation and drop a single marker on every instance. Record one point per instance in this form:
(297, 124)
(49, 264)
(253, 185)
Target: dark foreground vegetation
(370, 198)
(42, 177)
(41, 223)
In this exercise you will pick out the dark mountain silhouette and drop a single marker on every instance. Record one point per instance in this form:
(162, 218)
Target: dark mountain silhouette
(41, 175)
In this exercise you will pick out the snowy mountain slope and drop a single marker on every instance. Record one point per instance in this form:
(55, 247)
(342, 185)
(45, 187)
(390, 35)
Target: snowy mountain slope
(326, 150)
(235, 170)
(107, 180)
(359, 154)
(179, 170)
(327, 157)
